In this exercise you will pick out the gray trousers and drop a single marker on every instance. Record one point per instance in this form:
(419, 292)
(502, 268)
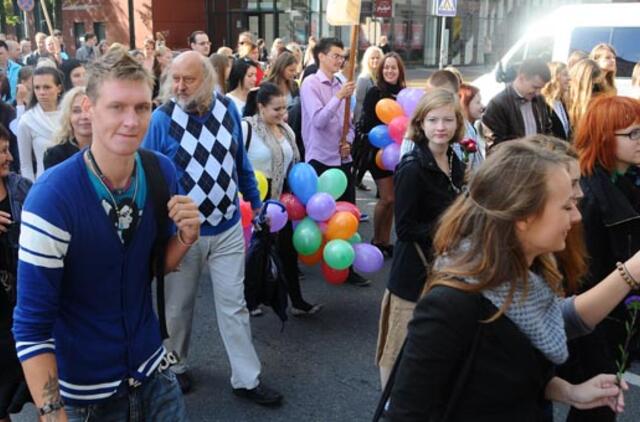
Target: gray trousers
(224, 254)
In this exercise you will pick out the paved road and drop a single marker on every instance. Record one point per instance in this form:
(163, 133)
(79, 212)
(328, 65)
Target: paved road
(322, 364)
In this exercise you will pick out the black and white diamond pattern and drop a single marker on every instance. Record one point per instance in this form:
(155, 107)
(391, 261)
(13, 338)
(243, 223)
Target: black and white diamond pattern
(207, 157)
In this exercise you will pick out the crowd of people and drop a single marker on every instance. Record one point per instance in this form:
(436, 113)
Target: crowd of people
(516, 225)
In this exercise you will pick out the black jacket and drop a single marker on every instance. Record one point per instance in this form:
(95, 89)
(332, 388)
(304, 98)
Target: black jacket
(507, 376)
(557, 129)
(59, 153)
(504, 119)
(7, 115)
(422, 193)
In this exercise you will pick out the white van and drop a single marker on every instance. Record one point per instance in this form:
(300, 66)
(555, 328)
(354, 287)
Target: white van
(570, 28)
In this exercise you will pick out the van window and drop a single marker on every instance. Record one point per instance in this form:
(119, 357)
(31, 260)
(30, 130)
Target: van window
(624, 40)
(540, 48)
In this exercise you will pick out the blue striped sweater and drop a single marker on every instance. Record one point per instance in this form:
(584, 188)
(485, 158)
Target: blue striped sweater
(81, 294)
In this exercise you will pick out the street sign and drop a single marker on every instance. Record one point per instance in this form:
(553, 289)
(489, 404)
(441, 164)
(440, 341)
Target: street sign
(26, 5)
(446, 8)
(383, 9)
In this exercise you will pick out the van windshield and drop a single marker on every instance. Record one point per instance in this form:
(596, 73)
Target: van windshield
(624, 40)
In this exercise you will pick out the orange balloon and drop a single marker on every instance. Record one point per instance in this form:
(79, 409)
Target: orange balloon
(379, 160)
(313, 259)
(388, 109)
(342, 225)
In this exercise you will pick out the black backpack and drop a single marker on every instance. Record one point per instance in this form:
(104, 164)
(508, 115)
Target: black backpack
(159, 190)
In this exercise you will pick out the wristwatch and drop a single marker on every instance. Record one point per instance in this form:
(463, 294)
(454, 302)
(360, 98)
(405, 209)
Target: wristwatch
(51, 407)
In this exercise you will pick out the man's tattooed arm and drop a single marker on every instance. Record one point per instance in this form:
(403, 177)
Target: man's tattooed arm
(51, 395)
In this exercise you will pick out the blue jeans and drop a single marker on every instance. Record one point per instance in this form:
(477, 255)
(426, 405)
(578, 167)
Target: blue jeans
(158, 399)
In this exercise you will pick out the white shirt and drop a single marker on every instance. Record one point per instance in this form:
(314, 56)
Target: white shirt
(260, 154)
(238, 102)
(35, 136)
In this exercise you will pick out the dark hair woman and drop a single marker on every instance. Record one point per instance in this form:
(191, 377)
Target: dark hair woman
(242, 79)
(389, 81)
(283, 74)
(271, 148)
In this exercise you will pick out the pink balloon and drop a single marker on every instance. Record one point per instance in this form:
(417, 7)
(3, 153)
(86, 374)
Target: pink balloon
(322, 225)
(397, 128)
(247, 231)
(349, 207)
(391, 156)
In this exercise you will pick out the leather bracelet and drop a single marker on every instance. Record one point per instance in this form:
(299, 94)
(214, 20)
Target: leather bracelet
(626, 276)
(180, 240)
(51, 407)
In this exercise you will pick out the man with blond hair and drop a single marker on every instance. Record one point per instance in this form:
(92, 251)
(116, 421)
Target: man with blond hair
(93, 227)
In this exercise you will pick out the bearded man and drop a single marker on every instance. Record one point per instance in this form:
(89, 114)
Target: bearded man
(200, 131)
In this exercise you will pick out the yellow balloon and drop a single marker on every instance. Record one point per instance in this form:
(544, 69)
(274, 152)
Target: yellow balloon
(263, 185)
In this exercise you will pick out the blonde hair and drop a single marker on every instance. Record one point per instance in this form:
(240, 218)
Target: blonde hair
(115, 65)
(610, 76)
(552, 91)
(365, 69)
(486, 217)
(635, 76)
(432, 100)
(65, 132)
(586, 81)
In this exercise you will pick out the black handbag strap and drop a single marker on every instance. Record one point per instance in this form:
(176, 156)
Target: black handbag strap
(458, 387)
(159, 190)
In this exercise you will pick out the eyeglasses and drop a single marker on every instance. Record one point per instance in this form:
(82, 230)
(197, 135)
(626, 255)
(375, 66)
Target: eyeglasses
(337, 57)
(634, 135)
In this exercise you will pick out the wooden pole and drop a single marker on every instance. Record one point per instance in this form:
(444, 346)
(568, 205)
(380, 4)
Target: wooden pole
(46, 16)
(355, 31)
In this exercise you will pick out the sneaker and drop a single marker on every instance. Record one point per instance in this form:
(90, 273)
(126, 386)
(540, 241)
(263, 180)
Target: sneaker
(256, 312)
(357, 280)
(185, 382)
(364, 217)
(311, 311)
(261, 395)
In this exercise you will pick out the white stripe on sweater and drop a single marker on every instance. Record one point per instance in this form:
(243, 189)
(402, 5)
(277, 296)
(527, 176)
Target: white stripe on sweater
(42, 224)
(41, 243)
(32, 349)
(101, 386)
(39, 261)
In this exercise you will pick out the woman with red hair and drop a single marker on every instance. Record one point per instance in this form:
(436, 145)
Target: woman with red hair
(608, 143)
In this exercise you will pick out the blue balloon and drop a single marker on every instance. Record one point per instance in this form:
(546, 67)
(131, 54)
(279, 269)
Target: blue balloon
(379, 136)
(303, 181)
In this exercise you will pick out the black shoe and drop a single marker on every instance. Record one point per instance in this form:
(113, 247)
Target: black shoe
(261, 395)
(385, 249)
(185, 382)
(357, 280)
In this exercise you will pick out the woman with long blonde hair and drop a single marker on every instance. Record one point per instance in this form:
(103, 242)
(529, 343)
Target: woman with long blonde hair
(75, 129)
(367, 78)
(587, 81)
(605, 55)
(555, 94)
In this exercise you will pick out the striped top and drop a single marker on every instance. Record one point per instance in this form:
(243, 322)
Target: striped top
(82, 294)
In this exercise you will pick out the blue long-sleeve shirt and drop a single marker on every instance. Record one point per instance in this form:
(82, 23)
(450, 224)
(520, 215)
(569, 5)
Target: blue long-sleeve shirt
(165, 135)
(82, 294)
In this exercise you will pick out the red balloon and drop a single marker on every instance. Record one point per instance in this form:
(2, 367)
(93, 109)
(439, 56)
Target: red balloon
(398, 127)
(349, 207)
(334, 276)
(294, 207)
(246, 213)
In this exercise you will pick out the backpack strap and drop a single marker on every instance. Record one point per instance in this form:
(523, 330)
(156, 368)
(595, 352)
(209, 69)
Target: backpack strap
(246, 134)
(159, 190)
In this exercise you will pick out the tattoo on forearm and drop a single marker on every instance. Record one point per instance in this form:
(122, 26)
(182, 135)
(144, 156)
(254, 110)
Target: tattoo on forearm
(51, 394)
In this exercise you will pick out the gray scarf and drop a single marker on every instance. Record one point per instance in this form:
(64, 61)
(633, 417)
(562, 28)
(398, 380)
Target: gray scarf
(278, 172)
(538, 315)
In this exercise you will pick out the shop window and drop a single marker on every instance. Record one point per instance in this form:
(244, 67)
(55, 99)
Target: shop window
(100, 29)
(78, 33)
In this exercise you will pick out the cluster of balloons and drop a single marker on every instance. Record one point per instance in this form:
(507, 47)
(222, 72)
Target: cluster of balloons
(326, 230)
(395, 114)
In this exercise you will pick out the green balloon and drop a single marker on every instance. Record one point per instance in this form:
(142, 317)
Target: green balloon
(356, 238)
(307, 237)
(338, 254)
(333, 182)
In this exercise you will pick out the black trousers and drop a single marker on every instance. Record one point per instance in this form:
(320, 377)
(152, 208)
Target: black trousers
(349, 195)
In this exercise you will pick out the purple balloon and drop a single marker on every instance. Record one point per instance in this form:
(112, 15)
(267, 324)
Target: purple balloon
(278, 216)
(368, 259)
(321, 206)
(391, 156)
(408, 99)
(247, 232)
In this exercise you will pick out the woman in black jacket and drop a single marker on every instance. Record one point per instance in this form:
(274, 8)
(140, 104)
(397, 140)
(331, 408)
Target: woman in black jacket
(389, 82)
(608, 142)
(426, 181)
(493, 323)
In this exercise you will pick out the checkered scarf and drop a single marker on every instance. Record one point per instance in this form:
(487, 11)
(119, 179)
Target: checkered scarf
(207, 157)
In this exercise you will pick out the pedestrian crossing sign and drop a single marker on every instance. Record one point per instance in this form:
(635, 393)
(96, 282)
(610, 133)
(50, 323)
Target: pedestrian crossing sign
(446, 7)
